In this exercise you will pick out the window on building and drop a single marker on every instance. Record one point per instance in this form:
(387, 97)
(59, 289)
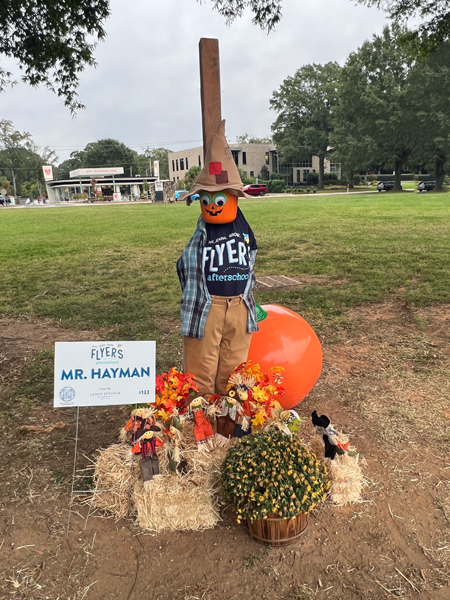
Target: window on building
(181, 164)
(199, 160)
(267, 158)
(298, 175)
(244, 158)
(178, 178)
(305, 163)
(187, 167)
(174, 178)
(335, 167)
(245, 174)
(235, 155)
(252, 173)
(173, 166)
(305, 174)
(274, 162)
(177, 163)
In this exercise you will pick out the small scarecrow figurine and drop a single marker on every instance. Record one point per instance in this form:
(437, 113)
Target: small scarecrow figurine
(174, 435)
(216, 273)
(203, 430)
(141, 420)
(243, 384)
(146, 448)
(232, 422)
(329, 436)
(287, 421)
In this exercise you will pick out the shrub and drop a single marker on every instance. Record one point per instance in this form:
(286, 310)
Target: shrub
(312, 178)
(276, 185)
(276, 176)
(264, 173)
(272, 473)
(329, 178)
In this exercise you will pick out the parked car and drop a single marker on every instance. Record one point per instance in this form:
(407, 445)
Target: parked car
(179, 192)
(385, 186)
(426, 186)
(256, 189)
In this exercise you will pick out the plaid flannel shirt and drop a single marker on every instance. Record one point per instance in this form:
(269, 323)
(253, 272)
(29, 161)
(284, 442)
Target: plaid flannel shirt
(196, 300)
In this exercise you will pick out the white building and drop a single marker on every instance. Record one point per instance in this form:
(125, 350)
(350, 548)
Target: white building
(251, 158)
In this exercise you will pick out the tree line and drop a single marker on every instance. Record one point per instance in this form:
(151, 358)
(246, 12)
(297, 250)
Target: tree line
(112, 153)
(386, 108)
(21, 161)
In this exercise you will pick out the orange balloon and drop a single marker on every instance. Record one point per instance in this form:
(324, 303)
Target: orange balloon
(286, 340)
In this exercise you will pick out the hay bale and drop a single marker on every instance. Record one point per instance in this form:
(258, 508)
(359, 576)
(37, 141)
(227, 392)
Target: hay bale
(114, 473)
(346, 479)
(317, 447)
(168, 501)
(176, 503)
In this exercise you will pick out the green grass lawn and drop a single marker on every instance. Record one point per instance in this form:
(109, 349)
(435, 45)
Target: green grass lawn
(114, 266)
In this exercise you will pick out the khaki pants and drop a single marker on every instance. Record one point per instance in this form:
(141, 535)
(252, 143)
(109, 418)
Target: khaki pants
(224, 346)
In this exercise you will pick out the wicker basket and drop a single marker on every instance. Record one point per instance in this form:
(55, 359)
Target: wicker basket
(277, 531)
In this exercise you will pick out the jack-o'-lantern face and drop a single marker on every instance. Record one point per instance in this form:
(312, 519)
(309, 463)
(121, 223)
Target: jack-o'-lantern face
(218, 207)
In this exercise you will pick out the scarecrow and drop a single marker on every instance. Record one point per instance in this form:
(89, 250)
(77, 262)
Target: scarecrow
(146, 448)
(232, 421)
(141, 420)
(216, 273)
(203, 430)
(329, 435)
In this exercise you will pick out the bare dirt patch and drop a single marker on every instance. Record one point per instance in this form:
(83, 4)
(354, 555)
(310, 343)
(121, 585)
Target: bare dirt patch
(385, 382)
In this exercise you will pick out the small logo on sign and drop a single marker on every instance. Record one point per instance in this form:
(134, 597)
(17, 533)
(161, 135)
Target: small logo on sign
(67, 395)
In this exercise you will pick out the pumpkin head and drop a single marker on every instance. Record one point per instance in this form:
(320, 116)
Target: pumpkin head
(218, 207)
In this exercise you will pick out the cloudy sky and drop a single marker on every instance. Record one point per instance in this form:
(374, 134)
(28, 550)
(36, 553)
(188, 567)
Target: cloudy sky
(146, 89)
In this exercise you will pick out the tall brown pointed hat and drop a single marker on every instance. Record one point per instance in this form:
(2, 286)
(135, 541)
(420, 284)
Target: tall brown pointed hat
(219, 172)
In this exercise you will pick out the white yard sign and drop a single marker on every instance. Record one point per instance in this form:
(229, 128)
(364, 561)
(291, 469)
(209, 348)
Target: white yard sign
(104, 373)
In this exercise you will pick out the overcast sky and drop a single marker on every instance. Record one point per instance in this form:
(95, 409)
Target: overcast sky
(146, 88)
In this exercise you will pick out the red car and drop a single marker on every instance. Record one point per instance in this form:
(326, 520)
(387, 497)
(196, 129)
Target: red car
(256, 189)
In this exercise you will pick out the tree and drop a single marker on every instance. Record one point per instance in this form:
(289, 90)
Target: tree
(161, 154)
(428, 96)
(54, 40)
(434, 15)
(188, 179)
(305, 105)
(266, 13)
(74, 162)
(370, 122)
(247, 138)
(5, 184)
(264, 173)
(50, 39)
(19, 159)
(110, 153)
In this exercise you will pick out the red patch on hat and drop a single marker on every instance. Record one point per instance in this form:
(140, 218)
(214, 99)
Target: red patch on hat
(222, 178)
(215, 168)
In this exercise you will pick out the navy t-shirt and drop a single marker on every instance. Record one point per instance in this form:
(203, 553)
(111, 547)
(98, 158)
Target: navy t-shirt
(226, 261)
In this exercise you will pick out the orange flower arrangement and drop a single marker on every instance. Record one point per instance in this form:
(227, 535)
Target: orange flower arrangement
(172, 391)
(265, 391)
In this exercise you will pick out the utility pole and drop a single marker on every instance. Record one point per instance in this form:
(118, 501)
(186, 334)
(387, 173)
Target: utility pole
(210, 89)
